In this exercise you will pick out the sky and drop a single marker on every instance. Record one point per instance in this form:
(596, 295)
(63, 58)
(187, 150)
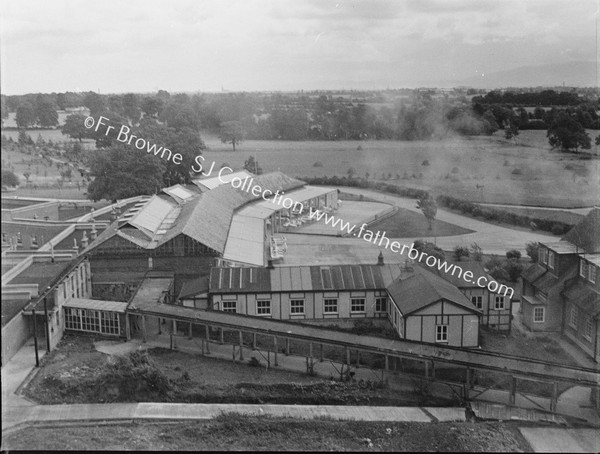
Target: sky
(115, 46)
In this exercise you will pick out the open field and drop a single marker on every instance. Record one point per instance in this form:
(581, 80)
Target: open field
(540, 213)
(238, 432)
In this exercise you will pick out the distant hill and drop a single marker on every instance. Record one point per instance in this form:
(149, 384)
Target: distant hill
(572, 74)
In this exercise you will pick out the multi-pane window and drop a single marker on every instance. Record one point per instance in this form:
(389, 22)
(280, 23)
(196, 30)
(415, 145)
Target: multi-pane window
(381, 304)
(587, 328)
(230, 306)
(539, 314)
(592, 273)
(92, 321)
(573, 316)
(477, 301)
(330, 306)
(543, 255)
(357, 305)
(551, 259)
(441, 333)
(297, 306)
(583, 268)
(263, 307)
(499, 303)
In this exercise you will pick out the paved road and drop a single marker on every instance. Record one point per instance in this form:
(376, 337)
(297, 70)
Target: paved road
(322, 250)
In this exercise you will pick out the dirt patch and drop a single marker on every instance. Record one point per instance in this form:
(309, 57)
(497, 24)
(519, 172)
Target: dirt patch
(236, 432)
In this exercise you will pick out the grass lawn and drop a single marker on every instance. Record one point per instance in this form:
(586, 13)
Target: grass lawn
(238, 432)
(408, 224)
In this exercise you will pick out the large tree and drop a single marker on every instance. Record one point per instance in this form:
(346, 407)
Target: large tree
(567, 134)
(74, 127)
(46, 114)
(26, 115)
(429, 208)
(232, 132)
(121, 172)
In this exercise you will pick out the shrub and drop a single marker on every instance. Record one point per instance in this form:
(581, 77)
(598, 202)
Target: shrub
(460, 251)
(532, 251)
(513, 254)
(318, 164)
(558, 229)
(513, 268)
(517, 172)
(425, 163)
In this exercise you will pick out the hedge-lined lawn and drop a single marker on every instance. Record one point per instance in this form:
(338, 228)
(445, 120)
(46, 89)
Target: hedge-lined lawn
(408, 224)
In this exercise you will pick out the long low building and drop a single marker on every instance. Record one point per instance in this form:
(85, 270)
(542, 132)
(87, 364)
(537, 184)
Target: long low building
(420, 305)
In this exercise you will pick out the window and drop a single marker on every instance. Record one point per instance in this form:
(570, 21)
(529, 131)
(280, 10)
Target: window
(539, 314)
(297, 306)
(381, 304)
(587, 329)
(499, 303)
(543, 255)
(592, 273)
(573, 316)
(357, 305)
(230, 306)
(93, 321)
(263, 307)
(441, 333)
(330, 306)
(551, 259)
(583, 272)
(477, 301)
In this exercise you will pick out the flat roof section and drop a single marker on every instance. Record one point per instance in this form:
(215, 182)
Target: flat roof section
(151, 289)
(97, 305)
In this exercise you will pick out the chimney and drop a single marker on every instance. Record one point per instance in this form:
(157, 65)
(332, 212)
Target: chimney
(380, 259)
(94, 232)
(84, 240)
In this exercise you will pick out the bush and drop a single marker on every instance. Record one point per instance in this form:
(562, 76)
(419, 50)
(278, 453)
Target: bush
(513, 254)
(460, 251)
(517, 172)
(532, 251)
(514, 269)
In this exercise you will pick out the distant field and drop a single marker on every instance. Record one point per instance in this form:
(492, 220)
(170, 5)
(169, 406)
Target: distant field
(481, 169)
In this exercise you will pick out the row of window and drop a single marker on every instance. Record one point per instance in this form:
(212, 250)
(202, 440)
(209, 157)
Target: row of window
(498, 302)
(330, 306)
(587, 271)
(587, 325)
(92, 321)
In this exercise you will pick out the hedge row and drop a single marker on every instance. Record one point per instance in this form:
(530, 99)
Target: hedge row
(366, 184)
(499, 215)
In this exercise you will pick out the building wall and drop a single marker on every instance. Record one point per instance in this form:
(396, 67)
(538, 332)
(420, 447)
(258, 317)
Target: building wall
(576, 331)
(463, 326)
(492, 318)
(313, 304)
(14, 335)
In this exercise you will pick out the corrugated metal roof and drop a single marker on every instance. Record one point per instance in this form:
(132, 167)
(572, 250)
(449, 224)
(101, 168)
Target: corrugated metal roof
(98, 305)
(301, 278)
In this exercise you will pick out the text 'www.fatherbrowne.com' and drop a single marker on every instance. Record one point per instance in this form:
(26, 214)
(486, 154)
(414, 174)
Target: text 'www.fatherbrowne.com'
(380, 239)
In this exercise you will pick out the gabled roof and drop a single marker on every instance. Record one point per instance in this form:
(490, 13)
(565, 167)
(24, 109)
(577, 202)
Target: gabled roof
(476, 268)
(194, 287)
(533, 272)
(422, 289)
(584, 296)
(586, 234)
